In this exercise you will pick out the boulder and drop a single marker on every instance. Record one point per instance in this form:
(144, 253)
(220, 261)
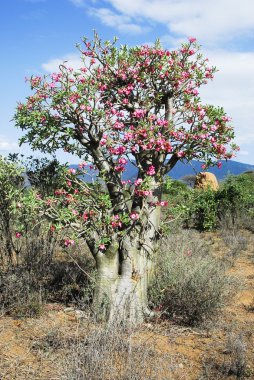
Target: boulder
(205, 180)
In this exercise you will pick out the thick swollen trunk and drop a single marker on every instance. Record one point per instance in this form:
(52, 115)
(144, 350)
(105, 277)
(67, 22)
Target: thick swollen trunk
(122, 283)
(125, 270)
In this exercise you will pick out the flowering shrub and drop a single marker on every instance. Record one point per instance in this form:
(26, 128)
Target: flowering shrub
(25, 234)
(140, 103)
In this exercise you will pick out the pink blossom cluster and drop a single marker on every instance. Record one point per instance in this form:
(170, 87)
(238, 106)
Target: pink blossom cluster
(116, 222)
(151, 170)
(69, 242)
(72, 171)
(159, 203)
(143, 193)
(134, 215)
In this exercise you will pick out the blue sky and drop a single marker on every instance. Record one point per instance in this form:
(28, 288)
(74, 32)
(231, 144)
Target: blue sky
(37, 35)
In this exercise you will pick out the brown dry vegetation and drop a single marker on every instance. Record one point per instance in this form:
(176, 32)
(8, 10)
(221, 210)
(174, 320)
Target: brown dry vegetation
(61, 340)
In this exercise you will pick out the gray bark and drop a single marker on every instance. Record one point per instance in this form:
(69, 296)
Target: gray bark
(125, 270)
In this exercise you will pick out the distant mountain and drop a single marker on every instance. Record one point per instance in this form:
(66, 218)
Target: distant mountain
(228, 167)
(182, 169)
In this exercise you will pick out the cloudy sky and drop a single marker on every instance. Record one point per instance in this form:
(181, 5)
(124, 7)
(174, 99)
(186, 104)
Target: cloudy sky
(37, 35)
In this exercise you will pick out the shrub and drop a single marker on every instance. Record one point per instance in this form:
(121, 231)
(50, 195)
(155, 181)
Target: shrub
(231, 206)
(110, 352)
(231, 364)
(12, 184)
(20, 293)
(189, 285)
(203, 209)
(235, 200)
(179, 197)
(45, 175)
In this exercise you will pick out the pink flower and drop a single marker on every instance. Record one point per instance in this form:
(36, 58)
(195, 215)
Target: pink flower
(119, 168)
(192, 39)
(69, 242)
(180, 154)
(82, 165)
(202, 112)
(139, 113)
(85, 216)
(18, 235)
(116, 222)
(138, 181)
(118, 125)
(102, 247)
(134, 215)
(56, 77)
(163, 203)
(72, 171)
(219, 164)
(122, 161)
(151, 170)
(103, 142)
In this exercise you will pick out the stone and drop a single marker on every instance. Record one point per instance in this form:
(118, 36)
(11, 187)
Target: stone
(205, 180)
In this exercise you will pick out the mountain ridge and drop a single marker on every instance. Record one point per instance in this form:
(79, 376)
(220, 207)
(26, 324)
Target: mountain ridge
(182, 169)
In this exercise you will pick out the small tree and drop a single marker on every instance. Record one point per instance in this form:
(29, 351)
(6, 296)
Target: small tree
(125, 104)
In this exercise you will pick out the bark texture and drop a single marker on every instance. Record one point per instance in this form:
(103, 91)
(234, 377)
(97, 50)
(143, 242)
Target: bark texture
(125, 269)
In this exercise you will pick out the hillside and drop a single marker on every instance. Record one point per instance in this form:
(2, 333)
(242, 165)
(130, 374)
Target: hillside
(182, 169)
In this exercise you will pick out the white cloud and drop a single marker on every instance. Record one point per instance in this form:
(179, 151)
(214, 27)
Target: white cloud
(120, 22)
(243, 153)
(209, 21)
(71, 60)
(6, 145)
(78, 3)
(233, 88)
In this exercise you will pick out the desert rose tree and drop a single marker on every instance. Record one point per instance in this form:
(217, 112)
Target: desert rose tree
(125, 104)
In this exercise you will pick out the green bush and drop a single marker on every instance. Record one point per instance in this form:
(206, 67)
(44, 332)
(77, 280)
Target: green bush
(235, 200)
(179, 197)
(189, 285)
(203, 210)
(231, 206)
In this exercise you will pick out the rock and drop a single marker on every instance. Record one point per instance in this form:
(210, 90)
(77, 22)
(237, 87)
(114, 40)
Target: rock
(205, 180)
(69, 309)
